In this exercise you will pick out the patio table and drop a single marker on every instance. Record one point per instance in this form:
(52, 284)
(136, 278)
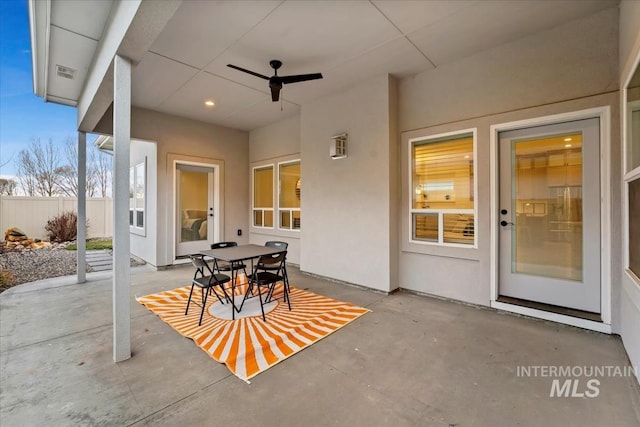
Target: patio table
(237, 254)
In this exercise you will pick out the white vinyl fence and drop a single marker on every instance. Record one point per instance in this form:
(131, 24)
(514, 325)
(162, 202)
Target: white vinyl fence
(30, 214)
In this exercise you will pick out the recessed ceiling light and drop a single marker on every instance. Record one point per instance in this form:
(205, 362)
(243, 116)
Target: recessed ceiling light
(567, 145)
(209, 103)
(466, 156)
(567, 139)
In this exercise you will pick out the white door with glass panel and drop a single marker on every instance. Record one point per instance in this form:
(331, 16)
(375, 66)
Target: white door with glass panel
(549, 238)
(195, 228)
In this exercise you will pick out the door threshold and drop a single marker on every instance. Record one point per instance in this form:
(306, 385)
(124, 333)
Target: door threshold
(595, 317)
(558, 315)
(182, 259)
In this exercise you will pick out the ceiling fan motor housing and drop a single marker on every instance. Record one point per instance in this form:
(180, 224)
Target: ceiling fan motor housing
(275, 64)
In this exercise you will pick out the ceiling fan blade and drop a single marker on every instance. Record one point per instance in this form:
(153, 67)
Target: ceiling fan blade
(275, 93)
(299, 78)
(247, 71)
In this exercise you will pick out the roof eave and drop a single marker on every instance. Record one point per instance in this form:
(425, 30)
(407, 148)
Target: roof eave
(39, 18)
(104, 143)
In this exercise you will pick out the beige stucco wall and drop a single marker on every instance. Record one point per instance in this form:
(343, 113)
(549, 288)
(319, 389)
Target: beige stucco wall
(567, 68)
(144, 244)
(571, 61)
(347, 232)
(193, 140)
(629, 293)
(275, 140)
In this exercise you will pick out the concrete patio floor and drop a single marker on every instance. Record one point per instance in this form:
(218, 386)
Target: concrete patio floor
(412, 361)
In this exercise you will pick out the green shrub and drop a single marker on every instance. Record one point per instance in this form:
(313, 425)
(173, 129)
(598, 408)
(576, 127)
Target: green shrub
(62, 228)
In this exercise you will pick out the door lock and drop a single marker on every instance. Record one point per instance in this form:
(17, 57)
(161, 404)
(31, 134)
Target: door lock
(505, 223)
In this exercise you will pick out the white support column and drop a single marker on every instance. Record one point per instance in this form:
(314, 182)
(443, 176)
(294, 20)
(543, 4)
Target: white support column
(82, 208)
(121, 257)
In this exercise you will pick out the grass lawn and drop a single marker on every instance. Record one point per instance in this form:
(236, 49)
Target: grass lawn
(92, 245)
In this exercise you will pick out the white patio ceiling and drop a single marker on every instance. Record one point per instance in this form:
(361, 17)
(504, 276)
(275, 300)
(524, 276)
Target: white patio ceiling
(347, 41)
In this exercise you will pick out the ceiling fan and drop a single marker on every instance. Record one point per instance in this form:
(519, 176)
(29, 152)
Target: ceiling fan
(276, 81)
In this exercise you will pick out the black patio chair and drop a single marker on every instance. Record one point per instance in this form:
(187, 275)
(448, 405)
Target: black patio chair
(263, 276)
(205, 278)
(280, 245)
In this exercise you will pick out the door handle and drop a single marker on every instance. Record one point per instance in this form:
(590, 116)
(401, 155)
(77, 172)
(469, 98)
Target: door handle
(505, 223)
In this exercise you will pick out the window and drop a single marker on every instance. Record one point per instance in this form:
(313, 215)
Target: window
(289, 195)
(632, 174)
(137, 185)
(263, 197)
(443, 189)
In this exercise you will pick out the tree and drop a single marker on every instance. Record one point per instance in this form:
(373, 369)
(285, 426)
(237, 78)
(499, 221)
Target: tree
(7, 187)
(102, 164)
(37, 166)
(68, 173)
(42, 172)
(26, 170)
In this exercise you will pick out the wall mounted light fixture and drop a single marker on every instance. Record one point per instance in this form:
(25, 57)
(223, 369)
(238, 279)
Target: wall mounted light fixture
(338, 148)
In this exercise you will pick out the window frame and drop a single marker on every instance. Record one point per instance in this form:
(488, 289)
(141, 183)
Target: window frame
(290, 210)
(134, 226)
(254, 209)
(630, 173)
(413, 212)
(632, 176)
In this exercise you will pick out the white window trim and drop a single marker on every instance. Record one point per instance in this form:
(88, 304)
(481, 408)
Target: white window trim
(253, 197)
(629, 175)
(442, 212)
(135, 229)
(630, 287)
(290, 210)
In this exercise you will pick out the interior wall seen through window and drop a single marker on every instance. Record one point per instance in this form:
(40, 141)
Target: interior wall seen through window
(289, 195)
(263, 197)
(443, 189)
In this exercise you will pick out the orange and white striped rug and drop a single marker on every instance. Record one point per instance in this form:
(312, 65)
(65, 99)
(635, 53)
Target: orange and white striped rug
(248, 345)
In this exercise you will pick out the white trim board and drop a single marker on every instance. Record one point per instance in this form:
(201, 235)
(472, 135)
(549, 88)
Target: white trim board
(604, 115)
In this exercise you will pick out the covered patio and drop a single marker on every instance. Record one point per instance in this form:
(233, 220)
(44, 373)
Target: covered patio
(413, 360)
(430, 257)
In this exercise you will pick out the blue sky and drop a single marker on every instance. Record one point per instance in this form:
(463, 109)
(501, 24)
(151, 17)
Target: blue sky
(24, 116)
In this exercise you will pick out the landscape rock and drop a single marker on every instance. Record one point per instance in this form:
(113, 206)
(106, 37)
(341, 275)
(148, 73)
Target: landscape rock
(16, 239)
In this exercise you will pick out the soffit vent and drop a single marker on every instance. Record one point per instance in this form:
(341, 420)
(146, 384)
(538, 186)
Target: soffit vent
(65, 72)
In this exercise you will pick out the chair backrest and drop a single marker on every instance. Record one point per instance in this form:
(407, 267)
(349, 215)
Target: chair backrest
(276, 244)
(272, 260)
(221, 245)
(200, 264)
